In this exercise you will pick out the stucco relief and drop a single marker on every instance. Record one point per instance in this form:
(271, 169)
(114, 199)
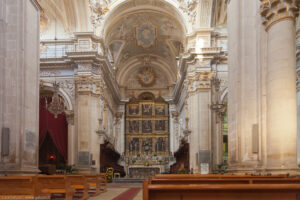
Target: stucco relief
(189, 8)
(98, 9)
(143, 30)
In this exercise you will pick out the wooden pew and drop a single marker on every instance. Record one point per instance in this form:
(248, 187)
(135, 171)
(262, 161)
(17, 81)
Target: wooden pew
(245, 180)
(57, 185)
(20, 187)
(97, 183)
(214, 176)
(81, 186)
(221, 191)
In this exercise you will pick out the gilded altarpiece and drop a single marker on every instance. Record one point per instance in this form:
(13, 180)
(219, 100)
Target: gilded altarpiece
(147, 132)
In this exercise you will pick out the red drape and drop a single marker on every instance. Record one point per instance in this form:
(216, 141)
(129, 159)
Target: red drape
(56, 127)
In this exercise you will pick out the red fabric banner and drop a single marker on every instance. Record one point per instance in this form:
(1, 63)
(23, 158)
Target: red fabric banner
(56, 127)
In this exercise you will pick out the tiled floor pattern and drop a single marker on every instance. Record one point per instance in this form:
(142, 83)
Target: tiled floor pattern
(115, 190)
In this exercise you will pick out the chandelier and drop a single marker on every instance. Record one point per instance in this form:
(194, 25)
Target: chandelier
(56, 106)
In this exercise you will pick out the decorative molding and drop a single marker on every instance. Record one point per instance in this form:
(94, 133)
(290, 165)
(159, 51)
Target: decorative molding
(70, 116)
(189, 8)
(199, 81)
(146, 76)
(98, 9)
(274, 11)
(90, 85)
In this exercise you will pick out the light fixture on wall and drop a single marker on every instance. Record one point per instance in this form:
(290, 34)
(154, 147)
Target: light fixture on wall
(56, 106)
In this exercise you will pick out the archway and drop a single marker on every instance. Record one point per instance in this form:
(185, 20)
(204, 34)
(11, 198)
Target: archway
(53, 136)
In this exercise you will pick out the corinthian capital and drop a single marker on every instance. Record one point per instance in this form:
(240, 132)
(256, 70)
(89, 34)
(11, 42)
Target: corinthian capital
(199, 81)
(273, 11)
(91, 84)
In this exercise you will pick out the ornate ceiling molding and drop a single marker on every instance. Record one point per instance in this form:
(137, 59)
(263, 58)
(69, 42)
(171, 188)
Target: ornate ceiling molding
(98, 9)
(189, 8)
(274, 11)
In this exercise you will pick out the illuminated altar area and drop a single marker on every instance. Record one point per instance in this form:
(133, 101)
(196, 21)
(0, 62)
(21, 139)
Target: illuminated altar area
(147, 136)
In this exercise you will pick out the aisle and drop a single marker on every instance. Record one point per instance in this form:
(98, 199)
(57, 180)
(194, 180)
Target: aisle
(121, 191)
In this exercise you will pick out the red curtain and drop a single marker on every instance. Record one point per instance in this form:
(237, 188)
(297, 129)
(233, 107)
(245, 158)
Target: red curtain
(56, 127)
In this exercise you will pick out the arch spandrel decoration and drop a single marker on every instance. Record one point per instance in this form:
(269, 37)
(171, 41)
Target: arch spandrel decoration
(147, 130)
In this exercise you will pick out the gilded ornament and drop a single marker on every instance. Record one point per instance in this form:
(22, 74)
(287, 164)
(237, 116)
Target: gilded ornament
(147, 77)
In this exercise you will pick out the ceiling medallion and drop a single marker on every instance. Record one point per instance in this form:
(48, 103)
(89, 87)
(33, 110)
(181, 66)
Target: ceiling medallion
(146, 76)
(145, 35)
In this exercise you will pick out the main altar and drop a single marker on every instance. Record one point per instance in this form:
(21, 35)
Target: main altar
(147, 136)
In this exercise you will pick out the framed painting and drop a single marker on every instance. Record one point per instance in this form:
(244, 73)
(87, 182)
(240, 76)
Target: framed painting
(133, 109)
(133, 126)
(160, 125)
(160, 110)
(147, 126)
(147, 109)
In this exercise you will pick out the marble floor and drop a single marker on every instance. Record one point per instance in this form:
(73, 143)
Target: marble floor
(121, 191)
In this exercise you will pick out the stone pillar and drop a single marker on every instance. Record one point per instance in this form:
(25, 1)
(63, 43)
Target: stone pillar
(245, 87)
(174, 137)
(218, 110)
(89, 87)
(19, 86)
(71, 137)
(198, 120)
(279, 20)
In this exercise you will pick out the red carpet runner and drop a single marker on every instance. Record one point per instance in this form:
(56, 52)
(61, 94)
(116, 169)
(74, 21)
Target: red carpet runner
(128, 195)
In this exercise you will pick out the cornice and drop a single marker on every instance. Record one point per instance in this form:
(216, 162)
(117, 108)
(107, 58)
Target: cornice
(274, 11)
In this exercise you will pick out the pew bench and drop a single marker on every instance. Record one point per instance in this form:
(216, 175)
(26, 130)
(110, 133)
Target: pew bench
(59, 186)
(81, 186)
(224, 181)
(97, 183)
(20, 187)
(221, 191)
(215, 176)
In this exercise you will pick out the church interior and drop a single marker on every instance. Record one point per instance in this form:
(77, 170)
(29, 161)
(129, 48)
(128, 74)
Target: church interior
(150, 99)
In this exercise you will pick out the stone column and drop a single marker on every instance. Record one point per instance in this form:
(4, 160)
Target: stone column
(199, 123)
(245, 87)
(174, 142)
(279, 20)
(19, 86)
(71, 137)
(89, 87)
